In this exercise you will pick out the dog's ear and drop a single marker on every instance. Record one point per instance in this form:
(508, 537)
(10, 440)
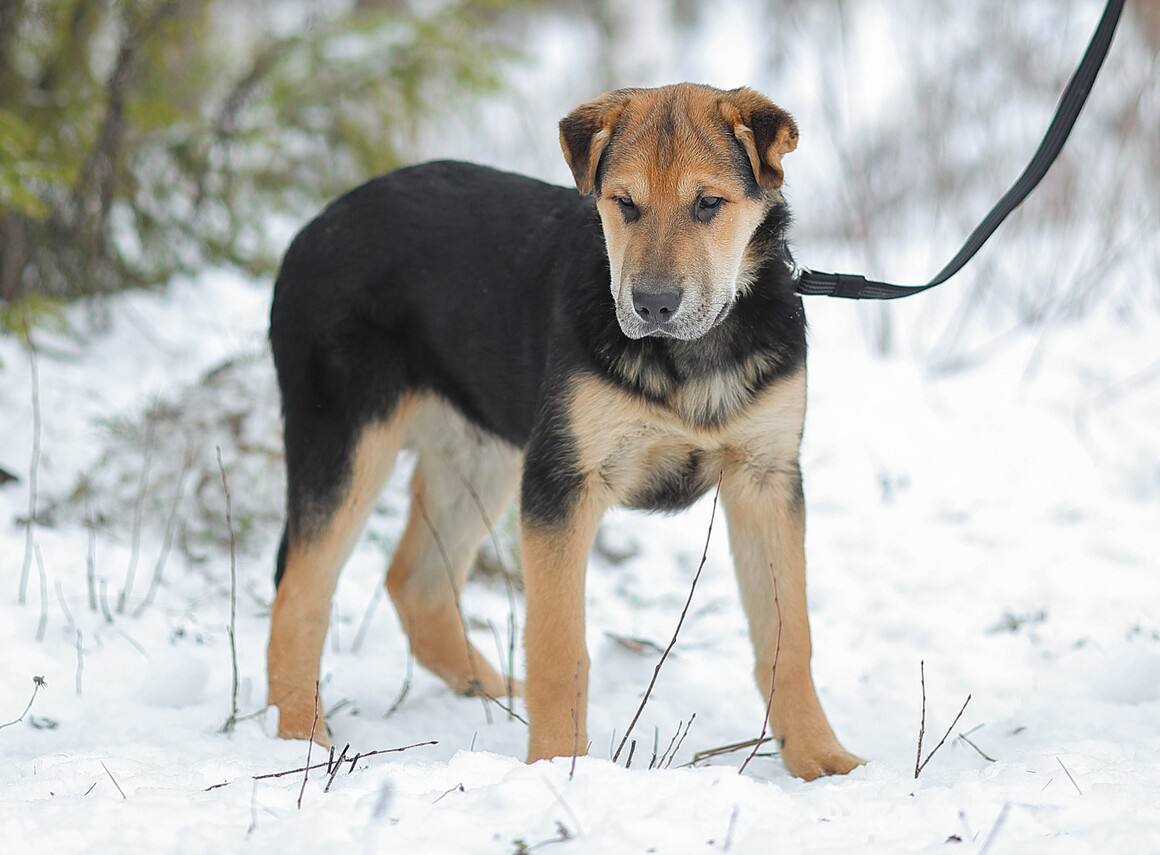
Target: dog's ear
(765, 131)
(585, 132)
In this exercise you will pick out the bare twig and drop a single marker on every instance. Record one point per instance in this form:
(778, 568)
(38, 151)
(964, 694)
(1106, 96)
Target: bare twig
(1069, 777)
(114, 780)
(309, 747)
(509, 671)
(42, 624)
(336, 766)
(138, 514)
(448, 792)
(167, 541)
(37, 684)
(709, 753)
(772, 676)
(323, 763)
(994, 833)
(34, 464)
(91, 556)
(233, 719)
(631, 751)
(980, 751)
(919, 766)
(656, 762)
(575, 726)
(681, 741)
(80, 662)
(435, 535)
(365, 623)
(405, 689)
(680, 623)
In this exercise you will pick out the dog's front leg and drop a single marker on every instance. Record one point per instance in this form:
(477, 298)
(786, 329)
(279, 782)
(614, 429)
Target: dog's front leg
(766, 514)
(555, 542)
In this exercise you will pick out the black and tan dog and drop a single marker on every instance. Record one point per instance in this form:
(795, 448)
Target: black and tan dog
(467, 313)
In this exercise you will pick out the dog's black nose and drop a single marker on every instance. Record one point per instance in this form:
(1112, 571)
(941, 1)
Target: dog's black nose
(656, 305)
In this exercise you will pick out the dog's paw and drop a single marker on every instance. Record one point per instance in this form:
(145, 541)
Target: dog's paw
(297, 724)
(808, 761)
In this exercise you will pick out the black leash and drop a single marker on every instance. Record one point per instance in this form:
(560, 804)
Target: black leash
(855, 287)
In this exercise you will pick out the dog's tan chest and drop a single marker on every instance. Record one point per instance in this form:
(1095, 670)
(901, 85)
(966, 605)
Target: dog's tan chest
(647, 456)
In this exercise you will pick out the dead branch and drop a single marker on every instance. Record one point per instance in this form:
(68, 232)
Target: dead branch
(167, 540)
(709, 753)
(37, 684)
(42, 624)
(309, 747)
(138, 514)
(919, 766)
(362, 755)
(91, 556)
(34, 463)
(335, 767)
(509, 675)
(476, 682)
(680, 623)
(233, 719)
(1069, 777)
(681, 741)
(80, 662)
(114, 780)
(981, 752)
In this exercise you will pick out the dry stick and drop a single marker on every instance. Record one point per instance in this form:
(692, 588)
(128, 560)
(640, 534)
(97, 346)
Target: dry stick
(772, 676)
(309, 747)
(509, 675)
(995, 829)
(680, 622)
(337, 766)
(167, 541)
(104, 600)
(37, 683)
(448, 792)
(918, 767)
(484, 697)
(80, 663)
(681, 741)
(405, 689)
(138, 515)
(365, 623)
(91, 557)
(322, 764)
(233, 719)
(34, 464)
(631, 751)
(1069, 777)
(981, 752)
(575, 726)
(114, 780)
(654, 763)
(60, 601)
(42, 624)
(708, 753)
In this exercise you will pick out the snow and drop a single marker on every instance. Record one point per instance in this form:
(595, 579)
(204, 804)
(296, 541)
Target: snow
(997, 521)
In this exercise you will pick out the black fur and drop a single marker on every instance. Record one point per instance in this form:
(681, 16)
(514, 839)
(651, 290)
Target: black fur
(490, 290)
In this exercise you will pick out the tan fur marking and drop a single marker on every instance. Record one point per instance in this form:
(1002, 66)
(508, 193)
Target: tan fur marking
(463, 482)
(555, 562)
(301, 612)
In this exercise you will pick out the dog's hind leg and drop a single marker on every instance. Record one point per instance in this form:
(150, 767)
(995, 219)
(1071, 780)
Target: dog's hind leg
(333, 483)
(463, 481)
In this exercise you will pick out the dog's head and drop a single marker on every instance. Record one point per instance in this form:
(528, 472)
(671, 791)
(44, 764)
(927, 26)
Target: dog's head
(683, 175)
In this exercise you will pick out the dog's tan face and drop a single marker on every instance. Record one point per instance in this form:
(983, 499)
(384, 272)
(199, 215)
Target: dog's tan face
(683, 175)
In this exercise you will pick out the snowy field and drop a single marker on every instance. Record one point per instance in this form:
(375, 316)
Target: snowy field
(998, 521)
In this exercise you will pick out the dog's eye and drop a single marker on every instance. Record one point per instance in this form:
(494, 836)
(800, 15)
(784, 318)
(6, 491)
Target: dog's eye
(628, 208)
(707, 208)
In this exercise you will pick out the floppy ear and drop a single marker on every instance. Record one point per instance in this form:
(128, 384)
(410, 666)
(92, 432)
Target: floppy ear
(765, 131)
(585, 132)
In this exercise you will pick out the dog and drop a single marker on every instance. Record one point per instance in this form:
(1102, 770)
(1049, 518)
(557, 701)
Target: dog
(636, 343)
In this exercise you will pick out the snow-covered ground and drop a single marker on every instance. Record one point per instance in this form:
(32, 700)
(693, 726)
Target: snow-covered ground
(998, 521)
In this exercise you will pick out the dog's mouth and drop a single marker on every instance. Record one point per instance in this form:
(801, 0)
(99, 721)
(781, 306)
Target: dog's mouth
(673, 331)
